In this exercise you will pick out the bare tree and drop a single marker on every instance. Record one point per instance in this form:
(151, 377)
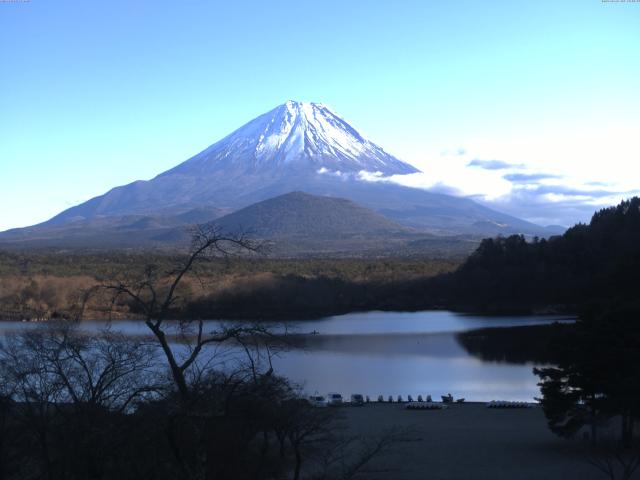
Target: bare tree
(222, 415)
(60, 379)
(346, 457)
(8, 433)
(155, 296)
(82, 298)
(320, 445)
(57, 363)
(615, 459)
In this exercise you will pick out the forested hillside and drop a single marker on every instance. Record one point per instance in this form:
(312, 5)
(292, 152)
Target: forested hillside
(594, 263)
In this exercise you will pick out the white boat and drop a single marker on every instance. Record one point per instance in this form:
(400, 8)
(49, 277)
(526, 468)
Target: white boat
(317, 400)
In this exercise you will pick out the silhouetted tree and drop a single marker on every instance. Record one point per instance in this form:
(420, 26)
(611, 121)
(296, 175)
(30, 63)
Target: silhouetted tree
(615, 460)
(597, 377)
(68, 390)
(154, 295)
(599, 262)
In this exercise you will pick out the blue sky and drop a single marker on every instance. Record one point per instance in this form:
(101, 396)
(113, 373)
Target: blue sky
(98, 94)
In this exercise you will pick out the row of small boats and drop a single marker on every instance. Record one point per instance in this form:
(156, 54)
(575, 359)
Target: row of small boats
(420, 403)
(508, 404)
(426, 406)
(400, 399)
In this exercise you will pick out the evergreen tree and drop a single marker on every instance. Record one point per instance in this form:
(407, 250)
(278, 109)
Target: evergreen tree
(598, 375)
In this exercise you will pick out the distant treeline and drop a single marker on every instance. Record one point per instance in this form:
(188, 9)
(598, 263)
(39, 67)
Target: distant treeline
(110, 263)
(63, 284)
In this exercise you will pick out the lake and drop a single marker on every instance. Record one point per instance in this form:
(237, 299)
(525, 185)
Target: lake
(389, 353)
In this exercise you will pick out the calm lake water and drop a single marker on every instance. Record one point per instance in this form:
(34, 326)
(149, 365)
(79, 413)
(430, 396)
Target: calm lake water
(389, 353)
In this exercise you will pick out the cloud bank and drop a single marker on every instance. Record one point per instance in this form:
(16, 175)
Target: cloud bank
(541, 196)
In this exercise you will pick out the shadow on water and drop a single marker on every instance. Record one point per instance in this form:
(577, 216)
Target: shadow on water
(515, 345)
(443, 344)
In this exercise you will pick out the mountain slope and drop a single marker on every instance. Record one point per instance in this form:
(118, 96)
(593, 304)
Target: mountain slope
(297, 146)
(296, 224)
(126, 231)
(280, 151)
(303, 215)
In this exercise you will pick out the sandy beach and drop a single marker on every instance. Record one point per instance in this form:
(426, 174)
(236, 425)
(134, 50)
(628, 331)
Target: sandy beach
(470, 441)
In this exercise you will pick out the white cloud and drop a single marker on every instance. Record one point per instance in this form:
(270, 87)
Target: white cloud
(548, 178)
(453, 171)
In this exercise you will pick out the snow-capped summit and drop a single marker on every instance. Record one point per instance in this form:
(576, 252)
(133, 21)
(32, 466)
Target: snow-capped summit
(297, 146)
(302, 137)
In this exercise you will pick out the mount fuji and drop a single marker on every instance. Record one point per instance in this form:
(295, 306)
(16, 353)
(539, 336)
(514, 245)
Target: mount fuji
(296, 137)
(297, 146)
